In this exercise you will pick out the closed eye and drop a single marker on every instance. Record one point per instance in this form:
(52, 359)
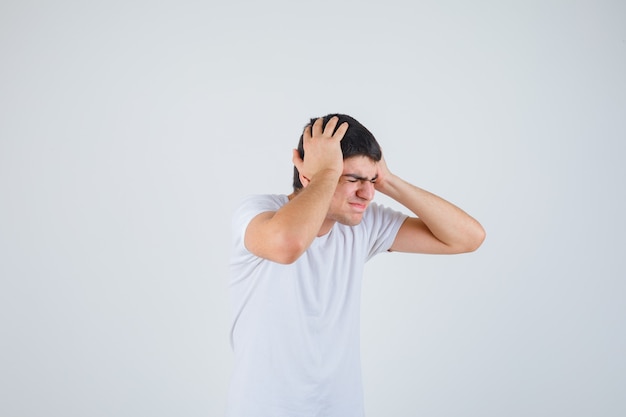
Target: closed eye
(355, 178)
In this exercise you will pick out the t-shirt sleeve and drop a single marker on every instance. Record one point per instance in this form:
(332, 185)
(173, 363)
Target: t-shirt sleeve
(383, 224)
(248, 209)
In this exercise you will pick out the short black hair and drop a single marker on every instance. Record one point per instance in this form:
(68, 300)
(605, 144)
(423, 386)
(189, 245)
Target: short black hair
(357, 141)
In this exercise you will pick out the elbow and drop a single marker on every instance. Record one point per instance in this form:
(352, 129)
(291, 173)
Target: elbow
(475, 239)
(286, 257)
(288, 250)
(469, 241)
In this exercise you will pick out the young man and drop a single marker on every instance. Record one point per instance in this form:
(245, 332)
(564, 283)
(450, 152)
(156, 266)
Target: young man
(297, 265)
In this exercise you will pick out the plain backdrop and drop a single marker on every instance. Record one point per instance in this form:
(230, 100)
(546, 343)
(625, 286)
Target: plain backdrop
(129, 130)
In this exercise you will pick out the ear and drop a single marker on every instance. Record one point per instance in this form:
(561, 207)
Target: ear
(304, 180)
(298, 163)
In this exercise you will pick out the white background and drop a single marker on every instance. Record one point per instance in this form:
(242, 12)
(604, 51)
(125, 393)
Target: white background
(130, 129)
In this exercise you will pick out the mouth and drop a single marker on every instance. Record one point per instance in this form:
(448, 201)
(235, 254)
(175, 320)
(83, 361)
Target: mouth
(359, 206)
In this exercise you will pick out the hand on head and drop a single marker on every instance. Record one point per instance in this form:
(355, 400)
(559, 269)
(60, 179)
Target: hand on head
(382, 174)
(322, 149)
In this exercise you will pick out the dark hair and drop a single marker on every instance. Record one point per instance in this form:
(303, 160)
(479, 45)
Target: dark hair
(358, 141)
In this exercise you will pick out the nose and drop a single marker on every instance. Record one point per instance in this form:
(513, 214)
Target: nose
(366, 190)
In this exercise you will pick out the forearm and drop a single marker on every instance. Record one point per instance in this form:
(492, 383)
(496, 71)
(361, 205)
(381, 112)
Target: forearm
(447, 222)
(282, 236)
(306, 211)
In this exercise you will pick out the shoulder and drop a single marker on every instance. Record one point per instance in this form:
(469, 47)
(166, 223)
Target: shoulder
(261, 203)
(252, 205)
(377, 214)
(378, 229)
(383, 222)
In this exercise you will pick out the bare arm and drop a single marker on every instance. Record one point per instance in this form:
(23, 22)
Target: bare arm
(283, 236)
(439, 228)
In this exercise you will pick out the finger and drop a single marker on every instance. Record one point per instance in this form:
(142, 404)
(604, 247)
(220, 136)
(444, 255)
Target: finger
(341, 130)
(330, 126)
(307, 132)
(317, 127)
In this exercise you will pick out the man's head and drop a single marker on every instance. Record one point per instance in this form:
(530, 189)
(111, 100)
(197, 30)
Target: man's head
(357, 141)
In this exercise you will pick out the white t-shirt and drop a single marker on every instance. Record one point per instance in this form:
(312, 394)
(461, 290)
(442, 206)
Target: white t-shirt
(295, 330)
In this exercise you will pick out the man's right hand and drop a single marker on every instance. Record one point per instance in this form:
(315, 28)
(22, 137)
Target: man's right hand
(322, 149)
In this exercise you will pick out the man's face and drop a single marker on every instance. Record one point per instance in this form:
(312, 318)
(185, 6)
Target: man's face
(354, 191)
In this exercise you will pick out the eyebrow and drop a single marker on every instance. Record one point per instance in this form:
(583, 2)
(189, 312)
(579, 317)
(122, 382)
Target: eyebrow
(358, 177)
